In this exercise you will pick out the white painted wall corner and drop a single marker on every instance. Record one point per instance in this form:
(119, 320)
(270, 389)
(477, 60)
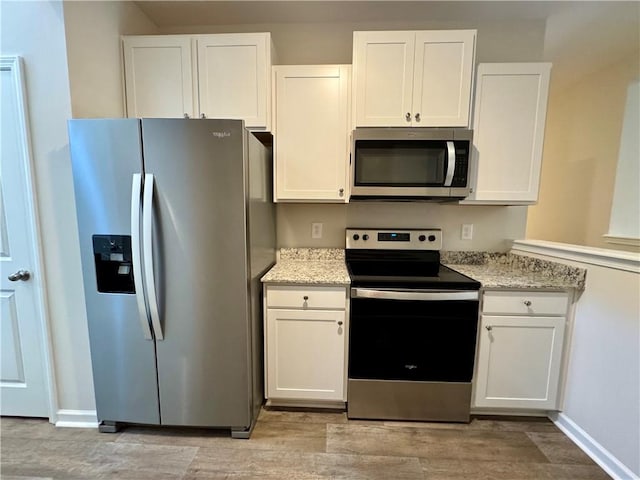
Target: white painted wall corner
(609, 463)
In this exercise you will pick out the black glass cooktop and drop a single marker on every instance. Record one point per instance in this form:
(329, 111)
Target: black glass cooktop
(398, 269)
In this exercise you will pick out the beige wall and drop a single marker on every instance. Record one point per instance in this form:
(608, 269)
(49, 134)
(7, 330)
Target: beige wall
(582, 139)
(318, 43)
(494, 227)
(94, 54)
(35, 31)
(91, 86)
(322, 43)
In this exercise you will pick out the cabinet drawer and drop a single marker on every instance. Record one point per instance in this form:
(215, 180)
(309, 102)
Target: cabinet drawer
(525, 303)
(306, 297)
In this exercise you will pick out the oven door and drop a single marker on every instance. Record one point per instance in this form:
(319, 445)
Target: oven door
(413, 335)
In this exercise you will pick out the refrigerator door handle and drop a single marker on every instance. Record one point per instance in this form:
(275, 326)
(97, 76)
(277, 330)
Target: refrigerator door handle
(136, 190)
(147, 246)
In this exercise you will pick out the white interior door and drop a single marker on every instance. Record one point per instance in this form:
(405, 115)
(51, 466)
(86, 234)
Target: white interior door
(23, 379)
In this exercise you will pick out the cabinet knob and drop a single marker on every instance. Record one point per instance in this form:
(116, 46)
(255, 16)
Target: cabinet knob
(202, 115)
(340, 322)
(305, 298)
(527, 303)
(417, 117)
(186, 115)
(408, 116)
(341, 191)
(489, 328)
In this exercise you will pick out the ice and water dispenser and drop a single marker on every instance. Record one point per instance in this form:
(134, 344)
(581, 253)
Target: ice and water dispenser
(114, 267)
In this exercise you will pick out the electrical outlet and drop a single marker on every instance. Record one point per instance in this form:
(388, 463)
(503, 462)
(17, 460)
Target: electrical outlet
(466, 232)
(316, 230)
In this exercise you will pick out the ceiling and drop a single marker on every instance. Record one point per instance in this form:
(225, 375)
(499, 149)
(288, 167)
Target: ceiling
(580, 36)
(188, 13)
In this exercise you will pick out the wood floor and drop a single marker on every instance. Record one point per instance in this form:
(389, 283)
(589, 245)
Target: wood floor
(298, 445)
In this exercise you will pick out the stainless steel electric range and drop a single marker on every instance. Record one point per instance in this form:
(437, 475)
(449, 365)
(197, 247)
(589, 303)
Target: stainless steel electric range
(413, 328)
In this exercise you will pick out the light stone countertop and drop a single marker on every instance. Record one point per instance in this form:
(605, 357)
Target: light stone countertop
(326, 266)
(507, 270)
(309, 266)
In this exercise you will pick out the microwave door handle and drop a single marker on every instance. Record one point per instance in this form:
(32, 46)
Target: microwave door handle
(451, 164)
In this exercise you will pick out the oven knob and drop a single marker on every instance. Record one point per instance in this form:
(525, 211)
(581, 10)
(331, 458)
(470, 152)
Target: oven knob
(432, 238)
(356, 236)
(422, 238)
(365, 237)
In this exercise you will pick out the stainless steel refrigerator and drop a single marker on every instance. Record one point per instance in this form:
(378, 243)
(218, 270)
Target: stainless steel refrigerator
(176, 226)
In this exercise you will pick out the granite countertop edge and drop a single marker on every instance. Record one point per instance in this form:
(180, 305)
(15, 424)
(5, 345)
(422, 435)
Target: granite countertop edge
(326, 266)
(511, 271)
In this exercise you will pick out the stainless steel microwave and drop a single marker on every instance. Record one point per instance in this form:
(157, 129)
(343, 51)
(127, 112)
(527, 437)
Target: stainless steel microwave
(410, 163)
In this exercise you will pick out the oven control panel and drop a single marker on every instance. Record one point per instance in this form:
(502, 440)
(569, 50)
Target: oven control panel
(394, 239)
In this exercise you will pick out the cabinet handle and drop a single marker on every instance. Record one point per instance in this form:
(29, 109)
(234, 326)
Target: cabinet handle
(527, 303)
(489, 328)
(305, 298)
(417, 117)
(408, 116)
(186, 115)
(341, 191)
(340, 322)
(202, 115)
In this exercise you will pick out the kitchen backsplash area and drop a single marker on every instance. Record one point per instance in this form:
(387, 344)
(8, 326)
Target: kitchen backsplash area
(494, 227)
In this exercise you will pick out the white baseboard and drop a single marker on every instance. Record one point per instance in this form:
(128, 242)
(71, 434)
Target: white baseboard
(77, 418)
(610, 464)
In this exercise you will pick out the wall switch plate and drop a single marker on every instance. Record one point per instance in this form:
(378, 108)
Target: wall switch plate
(316, 230)
(466, 233)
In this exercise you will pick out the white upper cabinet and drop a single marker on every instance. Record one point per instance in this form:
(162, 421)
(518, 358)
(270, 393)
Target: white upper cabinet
(212, 76)
(508, 132)
(311, 151)
(383, 78)
(442, 77)
(158, 76)
(234, 72)
(409, 78)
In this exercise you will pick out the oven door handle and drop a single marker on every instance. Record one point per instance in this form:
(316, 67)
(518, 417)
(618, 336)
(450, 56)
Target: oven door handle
(415, 295)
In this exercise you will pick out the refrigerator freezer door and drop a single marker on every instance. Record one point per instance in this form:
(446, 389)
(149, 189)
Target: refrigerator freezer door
(105, 155)
(200, 260)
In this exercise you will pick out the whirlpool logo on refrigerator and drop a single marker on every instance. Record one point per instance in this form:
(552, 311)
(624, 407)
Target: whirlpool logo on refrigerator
(221, 134)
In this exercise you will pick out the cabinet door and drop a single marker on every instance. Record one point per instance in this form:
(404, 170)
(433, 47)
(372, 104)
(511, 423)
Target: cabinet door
(383, 78)
(508, 132)
(158, 76)
(234, 77)
(519, 362)
(305, 354)
(312, 125)
(444, 62)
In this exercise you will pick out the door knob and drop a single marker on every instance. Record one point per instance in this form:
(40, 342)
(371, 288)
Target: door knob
(527, 303)
(202, 115)
(417, 117)
(489, 327)
(23, 275)
(408, 117)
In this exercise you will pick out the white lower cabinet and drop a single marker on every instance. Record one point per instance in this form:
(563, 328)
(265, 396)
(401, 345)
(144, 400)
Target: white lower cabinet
(520, 350)
(305, 346)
